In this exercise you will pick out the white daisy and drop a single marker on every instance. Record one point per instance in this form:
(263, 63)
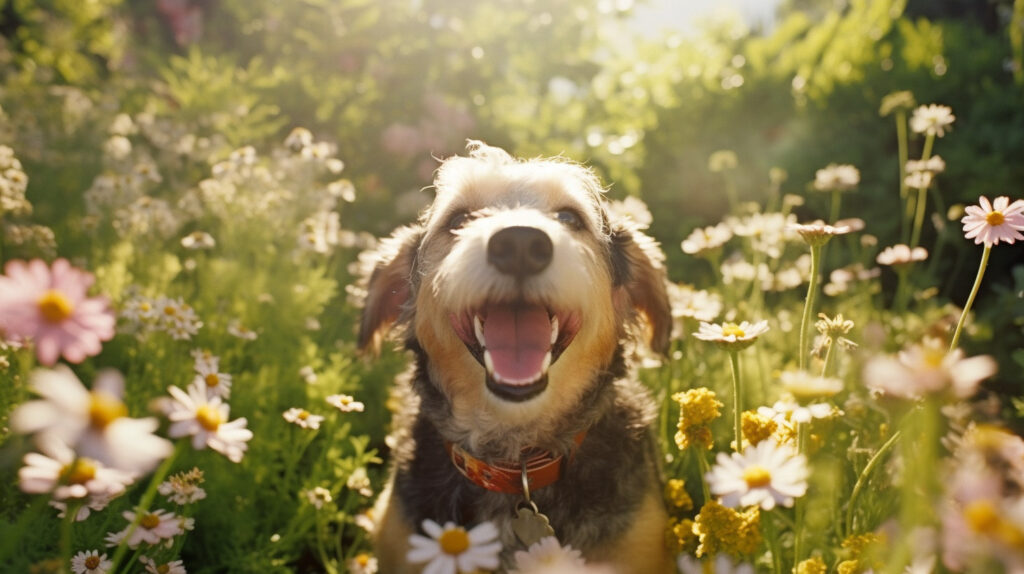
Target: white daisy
(174, 567)
(901, 255)
(450, 549)
(689, 302)
(318, 496)
(932, 119)
(763, 475)
(90, 562)
(818, 233)
(204, 361)
(345, 403)
(236, 329)
(359, 481)
(60, 471)
(198, 240)
(787, 410)
(707, 238)
(217, 383)
(183, 488)
(836, 177)
(731, 335)
(365, 520)
(152, 528)
(806, 386)
(205, 419)
(302, 418)
(363, 563)
(92, 422)
(928, 368)
(547, 554)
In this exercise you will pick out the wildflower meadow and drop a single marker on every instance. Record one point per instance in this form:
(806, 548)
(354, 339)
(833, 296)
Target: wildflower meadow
(191, 193)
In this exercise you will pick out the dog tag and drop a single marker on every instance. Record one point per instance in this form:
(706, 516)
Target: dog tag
(530, 525)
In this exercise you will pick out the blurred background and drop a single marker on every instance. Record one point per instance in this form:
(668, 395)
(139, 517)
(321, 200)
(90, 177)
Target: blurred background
(643, 91)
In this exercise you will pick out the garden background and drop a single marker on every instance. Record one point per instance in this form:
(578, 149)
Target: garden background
(160, 145)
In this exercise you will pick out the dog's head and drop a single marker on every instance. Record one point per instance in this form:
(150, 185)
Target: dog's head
(517, 284)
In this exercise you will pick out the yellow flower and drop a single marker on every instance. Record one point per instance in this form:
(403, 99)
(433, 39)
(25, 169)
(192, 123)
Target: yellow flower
(675, 493)
(722, 529)
(697, 408)
(813, 565)
(757, 427)
(680, 536)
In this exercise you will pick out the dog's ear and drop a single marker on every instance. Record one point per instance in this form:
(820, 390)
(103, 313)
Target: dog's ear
(638, 271)
(388, 283)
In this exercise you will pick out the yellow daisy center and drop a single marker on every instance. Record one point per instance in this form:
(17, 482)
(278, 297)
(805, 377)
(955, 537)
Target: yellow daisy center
(163, 569)
(145, 306)
(981, 516)
(303, 415)
(149, 521)
(92, 562)
(104, 409)
(54, 306)
(170, 310)
(757, 476)
(995, 218)
(208, 417)
(362, 559)
(454, 542)
(79, 472)
(212, 380)
(733, 329)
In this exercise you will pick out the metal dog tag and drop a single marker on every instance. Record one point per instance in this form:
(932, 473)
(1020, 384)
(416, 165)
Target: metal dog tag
(530, 525)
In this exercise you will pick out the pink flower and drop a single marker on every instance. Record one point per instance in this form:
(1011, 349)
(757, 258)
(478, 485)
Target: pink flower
(50, 306)
(993, 222)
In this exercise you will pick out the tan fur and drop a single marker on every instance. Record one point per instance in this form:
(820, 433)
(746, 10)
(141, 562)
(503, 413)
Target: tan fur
(391, 536)
(642, 550)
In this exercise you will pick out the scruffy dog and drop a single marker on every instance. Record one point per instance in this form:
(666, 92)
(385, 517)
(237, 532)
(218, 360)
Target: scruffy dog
(519, 295)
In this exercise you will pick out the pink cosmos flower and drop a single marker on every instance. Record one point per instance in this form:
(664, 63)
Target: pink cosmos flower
(990, 223)
(50, 306)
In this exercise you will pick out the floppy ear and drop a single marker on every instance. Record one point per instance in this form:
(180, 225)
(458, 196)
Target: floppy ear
(388, 284)
(638, 271)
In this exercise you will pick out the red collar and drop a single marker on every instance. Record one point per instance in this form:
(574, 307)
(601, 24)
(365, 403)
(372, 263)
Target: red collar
(542, 468)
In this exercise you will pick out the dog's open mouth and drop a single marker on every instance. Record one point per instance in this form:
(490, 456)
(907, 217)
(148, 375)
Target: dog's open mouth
(516, 342)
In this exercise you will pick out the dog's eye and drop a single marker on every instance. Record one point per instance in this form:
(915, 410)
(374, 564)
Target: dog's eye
(570, 219)
(457, 220)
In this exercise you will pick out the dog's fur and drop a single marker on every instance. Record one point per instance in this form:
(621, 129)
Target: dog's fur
(608, 501)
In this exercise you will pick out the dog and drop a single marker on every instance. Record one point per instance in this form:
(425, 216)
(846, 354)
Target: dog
(520, 297)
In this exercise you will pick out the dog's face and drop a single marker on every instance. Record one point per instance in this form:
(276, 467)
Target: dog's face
(516, 285)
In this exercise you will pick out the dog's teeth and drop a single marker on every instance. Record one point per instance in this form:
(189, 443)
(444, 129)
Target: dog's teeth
(478, 328)
(547, 363)
(488, 362)
(554, 329)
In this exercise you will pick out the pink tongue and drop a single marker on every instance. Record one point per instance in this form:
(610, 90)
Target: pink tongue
(518, 337)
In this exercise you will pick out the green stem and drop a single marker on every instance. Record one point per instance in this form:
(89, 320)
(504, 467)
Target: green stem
(922, 202)
(705, 468)
(70, 512)
(829, 357)
(772, 536)
(812, 292)
(798, 531)
(145, 502)
(899, 302)
(837, 199)
(734, 360)
(901, 142)
(865, 475)
(970, 298)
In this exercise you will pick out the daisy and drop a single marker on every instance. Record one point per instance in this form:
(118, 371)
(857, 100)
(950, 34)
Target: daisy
(723, 564)
(932, 119)
(68, 475)
(204, 361)
(345, 403)
(707, 238)
(731, 335)
(928, 368)
(198, 240)
(92, 422)
(450, 548)
(697, 304)
(359, 481)
(547, 554)
(183, 488)
(318, 496)
(836, 177)
(217, 383)
(365, 520)
(787, 410)
(152, 528)
(764, 475)
(302, 418)
(236, 329)
(49, 305)
(363, 563)
(90, 562)
(205, 419)
(900, 255)
(990, 223)
(818, 233)
(805, 386)
(174, 567)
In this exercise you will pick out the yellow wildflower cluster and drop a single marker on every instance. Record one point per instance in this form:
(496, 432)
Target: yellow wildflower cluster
(697, 408)
(813, 565)
(723, 529)
(680, 536)
(675, 493)
(757, 427)
(858, 548)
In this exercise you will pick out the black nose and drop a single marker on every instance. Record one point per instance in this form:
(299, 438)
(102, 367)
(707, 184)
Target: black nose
(520, 251)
